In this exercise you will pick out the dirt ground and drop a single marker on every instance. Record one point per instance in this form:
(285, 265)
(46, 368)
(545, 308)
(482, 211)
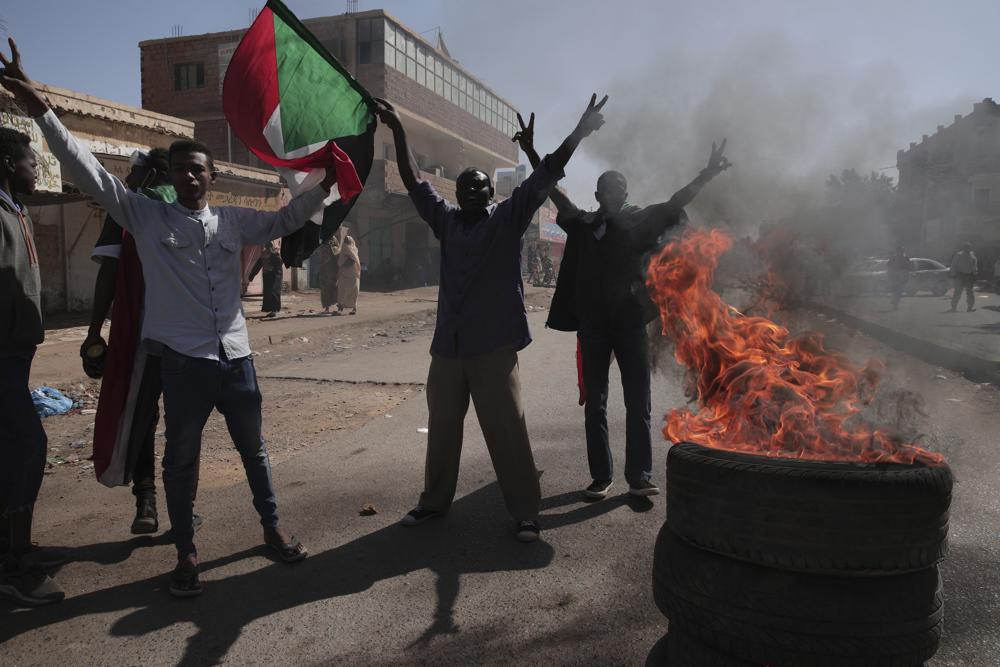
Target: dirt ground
(297, 413)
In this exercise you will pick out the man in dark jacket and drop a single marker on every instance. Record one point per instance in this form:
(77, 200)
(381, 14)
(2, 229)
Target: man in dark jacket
(601, 293)
(22, 438)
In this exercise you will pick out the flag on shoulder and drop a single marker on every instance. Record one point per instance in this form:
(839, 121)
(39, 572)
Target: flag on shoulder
(296, 107)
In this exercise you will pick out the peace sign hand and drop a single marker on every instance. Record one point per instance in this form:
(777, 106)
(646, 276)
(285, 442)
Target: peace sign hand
(525, 138)
(592, 119)
(717, 162)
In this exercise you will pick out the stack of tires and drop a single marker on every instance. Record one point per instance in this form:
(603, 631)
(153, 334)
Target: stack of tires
(793, 563)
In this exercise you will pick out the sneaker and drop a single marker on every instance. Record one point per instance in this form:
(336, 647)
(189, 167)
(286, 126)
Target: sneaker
(528, 531)
(644, 488)
(30, 586)
(419, 515)
(145, 520)
(598, 489)
(184, 582)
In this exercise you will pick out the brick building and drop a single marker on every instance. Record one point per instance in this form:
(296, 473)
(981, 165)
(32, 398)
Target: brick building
(949, 187)
(67, 223)
(453, 121)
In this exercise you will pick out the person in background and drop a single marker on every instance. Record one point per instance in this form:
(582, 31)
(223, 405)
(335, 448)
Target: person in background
(328, 254)
(349, 277)
(272, 271)
(964, 267)
(899, 274)
(23, 443)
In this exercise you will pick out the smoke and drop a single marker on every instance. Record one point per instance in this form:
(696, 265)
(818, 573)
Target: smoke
(790, 121)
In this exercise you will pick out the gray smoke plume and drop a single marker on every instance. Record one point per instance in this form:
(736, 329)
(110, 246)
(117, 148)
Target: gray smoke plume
(790, 124)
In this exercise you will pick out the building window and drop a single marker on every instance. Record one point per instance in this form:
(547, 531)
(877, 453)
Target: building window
(371, 41)
(981, 199)
(189, 75)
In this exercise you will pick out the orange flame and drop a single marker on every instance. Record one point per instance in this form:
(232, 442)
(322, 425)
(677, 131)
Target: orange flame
(761, 390)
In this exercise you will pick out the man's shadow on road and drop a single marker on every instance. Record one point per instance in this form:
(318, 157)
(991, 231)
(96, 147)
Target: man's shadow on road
(472, 539)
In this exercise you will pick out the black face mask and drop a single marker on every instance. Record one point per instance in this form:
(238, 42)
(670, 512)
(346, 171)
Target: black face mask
(473, 191)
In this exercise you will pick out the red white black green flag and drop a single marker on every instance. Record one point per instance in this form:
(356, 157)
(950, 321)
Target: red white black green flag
(296, 107)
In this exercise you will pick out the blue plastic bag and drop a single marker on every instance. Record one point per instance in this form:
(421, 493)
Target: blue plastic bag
(49, 401)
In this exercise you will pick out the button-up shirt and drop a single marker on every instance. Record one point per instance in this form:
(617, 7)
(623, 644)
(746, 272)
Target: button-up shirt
(481, 296)
(191, 259)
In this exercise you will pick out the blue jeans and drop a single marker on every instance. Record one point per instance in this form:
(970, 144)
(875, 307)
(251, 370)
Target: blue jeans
(630, 345)
(23, 443)
(192, 387)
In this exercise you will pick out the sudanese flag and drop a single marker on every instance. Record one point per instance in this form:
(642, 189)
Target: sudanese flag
(296, 107)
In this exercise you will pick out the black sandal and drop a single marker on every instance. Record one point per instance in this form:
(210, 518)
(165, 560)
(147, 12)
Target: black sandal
(290, 552)
(184, 581)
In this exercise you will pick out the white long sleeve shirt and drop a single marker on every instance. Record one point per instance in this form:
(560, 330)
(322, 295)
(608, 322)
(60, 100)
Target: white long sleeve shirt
(191, 260)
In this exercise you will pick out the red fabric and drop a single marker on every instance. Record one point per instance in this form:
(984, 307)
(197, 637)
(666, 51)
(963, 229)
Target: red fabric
(248, 108)
(126, 327)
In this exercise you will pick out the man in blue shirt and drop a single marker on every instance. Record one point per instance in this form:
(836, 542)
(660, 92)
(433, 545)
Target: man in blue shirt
(481, 323)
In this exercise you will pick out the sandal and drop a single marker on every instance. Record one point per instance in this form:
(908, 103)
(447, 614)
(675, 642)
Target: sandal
(184, 581)
(290, 552)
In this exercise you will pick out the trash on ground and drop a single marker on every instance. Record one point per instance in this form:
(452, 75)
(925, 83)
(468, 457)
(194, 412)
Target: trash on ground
(49, 401)
(421, 430)
(368, 510)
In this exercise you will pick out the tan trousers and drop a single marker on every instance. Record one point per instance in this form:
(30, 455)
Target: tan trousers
(493, 382)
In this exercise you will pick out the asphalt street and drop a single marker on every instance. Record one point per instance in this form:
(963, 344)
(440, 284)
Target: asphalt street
(459, 590)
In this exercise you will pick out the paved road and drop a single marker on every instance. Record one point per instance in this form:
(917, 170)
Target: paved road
(457, 591)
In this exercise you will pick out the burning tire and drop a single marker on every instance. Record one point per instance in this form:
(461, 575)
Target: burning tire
(840, 518)
(780, 618)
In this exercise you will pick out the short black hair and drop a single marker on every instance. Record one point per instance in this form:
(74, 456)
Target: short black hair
(611, 175)
(184, 146)
(158, 159)
(14, 144)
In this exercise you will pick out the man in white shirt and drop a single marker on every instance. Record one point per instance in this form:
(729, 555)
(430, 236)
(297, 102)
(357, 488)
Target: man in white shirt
(190, 254)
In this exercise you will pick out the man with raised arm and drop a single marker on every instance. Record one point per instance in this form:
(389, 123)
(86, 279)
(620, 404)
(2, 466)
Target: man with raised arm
(481, 323)
(601, 294)
(190, 255)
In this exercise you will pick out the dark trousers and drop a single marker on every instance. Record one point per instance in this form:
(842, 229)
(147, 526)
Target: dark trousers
(964, 282)
(23, 443)
(192, 388)
(631, 347)
(493, 382)
(272, 291)
(142, 458)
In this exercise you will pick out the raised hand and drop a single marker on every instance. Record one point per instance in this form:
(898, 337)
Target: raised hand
(717, 162)
(387, 113)
(15, 79)
(592, 119)
(525, 138)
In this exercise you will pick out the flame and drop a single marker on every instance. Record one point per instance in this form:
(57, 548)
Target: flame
(761, 390)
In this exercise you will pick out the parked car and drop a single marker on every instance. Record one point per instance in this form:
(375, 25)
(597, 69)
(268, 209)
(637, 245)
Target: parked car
(927, 275)
(872, 277)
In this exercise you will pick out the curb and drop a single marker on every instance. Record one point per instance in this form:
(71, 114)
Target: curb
(977, 369)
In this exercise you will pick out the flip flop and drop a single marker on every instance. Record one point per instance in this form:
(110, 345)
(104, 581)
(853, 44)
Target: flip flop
(289, 552)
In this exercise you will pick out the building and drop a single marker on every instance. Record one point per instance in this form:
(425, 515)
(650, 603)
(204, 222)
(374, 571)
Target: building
(949, 187)
(453, 121)
(67, 223)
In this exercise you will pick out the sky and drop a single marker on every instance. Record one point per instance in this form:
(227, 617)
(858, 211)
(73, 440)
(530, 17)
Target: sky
(801, 89)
